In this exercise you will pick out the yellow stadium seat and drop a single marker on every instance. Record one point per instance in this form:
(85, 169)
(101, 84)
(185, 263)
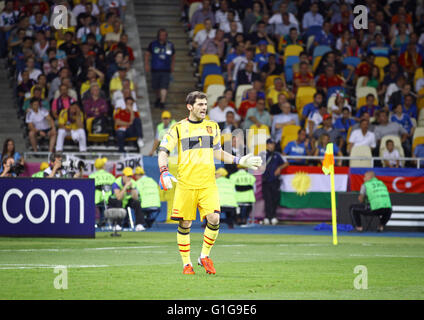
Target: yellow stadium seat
(256, 138)
(197, 28)
(316, 62)
(381, 62)
(418, 137)
(208, 59)
(292, 50)
(421, 118)
(270, 81)
(361, 95)
(213, 79)
(420, 101)
(304, 96)
(270, 48)
(288, 134)
(419, 73)
(95, 137)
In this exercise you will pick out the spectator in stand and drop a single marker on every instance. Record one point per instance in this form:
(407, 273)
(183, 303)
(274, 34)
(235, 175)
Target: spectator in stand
(93, 76)
(398, 96)
(203, 13)
(230, 123)
(117, 81)
(344, 123)
(272, 68)
(370, 107)
(239, 63)
(281, 120)
(24, 87)
(386, 128)
(329, 79)
(219, 112)
(411, 59)
(262, 57)
(325, 38)
(378, 47)
(310, 108)
(409, 106)
(71, 123)
(231, 18)
(258, 85)
(403, 119)
(95, 106)
(162, 55)
(214, 46)
(279, 88)
(250, 102)
(312, 17)
(128, 124)
(283, 29)
(277, 18)
(293, 38)
(9, 151)
(108, 5)
(40, 125)
(315, 119)
(362, 137)
(63, 102)
(247, 75)
(328, 127)
(299, 147)
(303, 78)
(419, 153)
(37, 94)
(257, 116)
(32, 70)
(339, 103)
(72, 51)
(323, 140)
(81, 8)
(8, 20)
(259, 34)
(391, 155)
(399, 36)
(276, 108)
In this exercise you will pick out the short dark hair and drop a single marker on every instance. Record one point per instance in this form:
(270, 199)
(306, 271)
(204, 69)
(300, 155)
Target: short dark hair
(345, 108)
(388, 141)
(192, 96)
(55, 155)
(370, 95)
(33, 100)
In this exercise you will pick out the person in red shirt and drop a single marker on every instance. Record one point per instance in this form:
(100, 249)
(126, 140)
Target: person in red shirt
(364, 68)
(122, 45)
(329, 79)
(250, 102)
(410, 60)
(303, 78)
(128, 124)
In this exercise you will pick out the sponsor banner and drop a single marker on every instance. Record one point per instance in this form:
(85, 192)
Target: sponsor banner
(402, 180)
(47, 207)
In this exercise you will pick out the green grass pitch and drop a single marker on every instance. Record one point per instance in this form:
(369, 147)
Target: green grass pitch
(249, 266)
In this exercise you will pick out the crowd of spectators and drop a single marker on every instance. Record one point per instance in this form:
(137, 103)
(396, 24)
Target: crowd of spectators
(250, 39)
(66, 76)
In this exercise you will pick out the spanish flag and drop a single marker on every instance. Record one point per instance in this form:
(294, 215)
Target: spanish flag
(328, 168)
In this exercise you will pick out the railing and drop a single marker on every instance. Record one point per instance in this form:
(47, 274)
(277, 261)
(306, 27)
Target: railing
(118, 155)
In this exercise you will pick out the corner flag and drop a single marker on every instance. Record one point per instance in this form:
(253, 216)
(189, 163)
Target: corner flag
(328, 168)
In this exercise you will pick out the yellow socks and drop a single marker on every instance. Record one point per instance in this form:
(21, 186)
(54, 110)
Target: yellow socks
(183, 240)
(209, 237)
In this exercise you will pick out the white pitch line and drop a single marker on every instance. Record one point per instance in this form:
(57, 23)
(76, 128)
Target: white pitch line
(350, 255)
(77, 249)
(46, 266)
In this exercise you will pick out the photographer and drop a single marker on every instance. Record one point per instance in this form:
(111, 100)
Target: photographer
(55, 168)
(9, 151)
(9, 168)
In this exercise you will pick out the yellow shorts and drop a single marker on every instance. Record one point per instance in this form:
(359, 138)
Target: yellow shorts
(186, 201)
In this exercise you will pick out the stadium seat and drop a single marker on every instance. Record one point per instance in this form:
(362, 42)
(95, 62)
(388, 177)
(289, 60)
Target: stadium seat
(95, 137)
(398, 146)
(239, 93)
(310, 42)
(288, 67)
(334, 90)
(197, 28)
(381, 62)
(312, 31)
(304, 96)
(288, 134)
(421, 118)
(210, 69)
(212, 79)
(213, 93)
(359, 83)
(319, 51)
(270, 49)
(360, 151)
(316, 62)
(331, 101)
(208, 59)
(192, 9)
(361, 95)
(419, 73)
(269, 82)
(420, 101)
(255, 142)
(292, 50)
(351, 61)
(418, 137)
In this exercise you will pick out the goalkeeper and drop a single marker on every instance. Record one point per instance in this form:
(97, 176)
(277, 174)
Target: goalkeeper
(199, 142)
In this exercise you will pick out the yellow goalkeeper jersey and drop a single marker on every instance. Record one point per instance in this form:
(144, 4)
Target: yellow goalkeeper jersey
(195, 142)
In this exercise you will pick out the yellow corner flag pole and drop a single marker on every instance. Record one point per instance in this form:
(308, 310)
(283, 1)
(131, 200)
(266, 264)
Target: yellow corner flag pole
(328, 168)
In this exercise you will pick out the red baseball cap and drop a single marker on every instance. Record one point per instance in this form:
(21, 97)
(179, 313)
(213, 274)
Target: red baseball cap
(326, 116)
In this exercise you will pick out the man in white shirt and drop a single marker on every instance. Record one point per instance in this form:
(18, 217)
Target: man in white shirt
(219, 113)
(80, 8)
(40, 124)
(277, 17)
(315, 119)
(202, 35)
(361, 137)
(240, 63)
(393, 87)
(312, 17)
(283, 119)
(231, 18)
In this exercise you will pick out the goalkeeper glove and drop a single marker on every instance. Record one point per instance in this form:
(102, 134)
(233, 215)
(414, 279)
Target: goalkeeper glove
(166, 178)
(249, 161)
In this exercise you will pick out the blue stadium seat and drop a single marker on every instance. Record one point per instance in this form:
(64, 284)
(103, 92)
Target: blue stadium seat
(210, 69)
(312, 31)
(321, 50)
(288, 68)
(351, 61)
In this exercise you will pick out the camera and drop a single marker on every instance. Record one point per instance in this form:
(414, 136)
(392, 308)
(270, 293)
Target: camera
(17, 169)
